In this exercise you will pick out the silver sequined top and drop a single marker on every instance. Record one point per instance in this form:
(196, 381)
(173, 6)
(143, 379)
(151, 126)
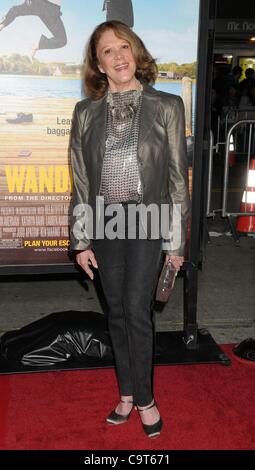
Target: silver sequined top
(120, 180)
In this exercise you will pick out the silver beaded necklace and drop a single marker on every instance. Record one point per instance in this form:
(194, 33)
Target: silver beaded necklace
(123, 105)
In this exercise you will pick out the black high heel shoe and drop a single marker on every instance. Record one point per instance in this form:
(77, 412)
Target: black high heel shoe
(152, 430)
(116, 418)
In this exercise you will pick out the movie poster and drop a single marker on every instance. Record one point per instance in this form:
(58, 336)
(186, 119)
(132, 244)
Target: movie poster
(42, 45)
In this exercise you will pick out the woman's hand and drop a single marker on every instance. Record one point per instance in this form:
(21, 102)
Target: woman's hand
(177, 261)
(86, 258)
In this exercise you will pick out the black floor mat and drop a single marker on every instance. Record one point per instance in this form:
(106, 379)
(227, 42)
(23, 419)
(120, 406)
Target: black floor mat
(74, 340)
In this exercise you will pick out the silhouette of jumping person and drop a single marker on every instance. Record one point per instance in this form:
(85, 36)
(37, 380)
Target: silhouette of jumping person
(120, 10)
(49, 12)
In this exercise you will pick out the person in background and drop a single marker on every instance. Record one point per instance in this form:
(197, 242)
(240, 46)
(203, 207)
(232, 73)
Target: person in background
(49, 12)
(234, 77)
(245, 87)
(232, 87)
(218, 92)
(123, 135)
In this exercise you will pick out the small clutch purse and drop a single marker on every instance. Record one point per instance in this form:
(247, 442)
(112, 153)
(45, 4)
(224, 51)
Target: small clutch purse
(166, 282)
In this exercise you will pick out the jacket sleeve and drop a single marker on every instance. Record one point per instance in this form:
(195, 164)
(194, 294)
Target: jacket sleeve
(79, 239)
(178, 186)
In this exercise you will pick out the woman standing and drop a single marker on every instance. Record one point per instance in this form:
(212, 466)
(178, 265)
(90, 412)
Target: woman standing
(128, 146)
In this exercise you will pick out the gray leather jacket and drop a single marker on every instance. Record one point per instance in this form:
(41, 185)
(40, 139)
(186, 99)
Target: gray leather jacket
(162, 156)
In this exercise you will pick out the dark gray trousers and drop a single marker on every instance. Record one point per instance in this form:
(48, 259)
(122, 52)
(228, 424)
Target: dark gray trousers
(128, 271)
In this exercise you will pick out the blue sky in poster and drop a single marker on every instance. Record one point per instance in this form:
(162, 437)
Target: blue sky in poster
(167, 27)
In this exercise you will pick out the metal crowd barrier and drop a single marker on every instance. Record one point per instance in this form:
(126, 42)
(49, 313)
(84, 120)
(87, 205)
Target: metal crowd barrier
(251, 123)
(232, 116)
(210, 172)
(248, 129)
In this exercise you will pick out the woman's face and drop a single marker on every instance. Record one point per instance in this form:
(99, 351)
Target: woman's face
(116, 60)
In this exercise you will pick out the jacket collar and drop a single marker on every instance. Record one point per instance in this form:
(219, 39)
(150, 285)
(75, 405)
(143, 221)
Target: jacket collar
(149, 111)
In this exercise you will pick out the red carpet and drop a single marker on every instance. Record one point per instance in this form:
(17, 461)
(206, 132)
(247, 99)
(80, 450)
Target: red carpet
(203, 407)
